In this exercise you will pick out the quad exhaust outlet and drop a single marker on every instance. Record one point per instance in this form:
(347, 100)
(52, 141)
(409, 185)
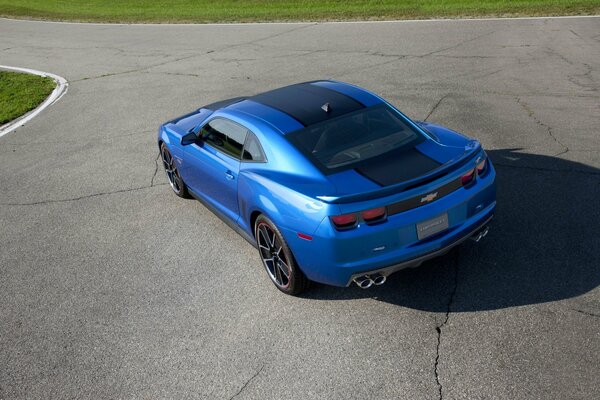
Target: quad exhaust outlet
(481, 234)
(366, 281)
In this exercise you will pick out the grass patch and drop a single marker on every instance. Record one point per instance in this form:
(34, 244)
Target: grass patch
(20, 93)
(284, 10)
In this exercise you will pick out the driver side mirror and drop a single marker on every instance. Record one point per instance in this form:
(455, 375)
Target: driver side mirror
(190, 138)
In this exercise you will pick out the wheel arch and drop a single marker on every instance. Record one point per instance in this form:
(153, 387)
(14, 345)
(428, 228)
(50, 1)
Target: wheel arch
(253, 217)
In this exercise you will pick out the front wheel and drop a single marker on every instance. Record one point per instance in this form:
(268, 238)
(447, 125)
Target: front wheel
(173, 176)
(278, 259)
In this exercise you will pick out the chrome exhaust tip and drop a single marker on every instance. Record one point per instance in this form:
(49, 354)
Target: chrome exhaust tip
(485, 231)
(480, 234)
(363, 282)
(379, 279)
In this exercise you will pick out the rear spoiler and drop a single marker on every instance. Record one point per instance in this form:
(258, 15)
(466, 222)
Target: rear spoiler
(472, 149)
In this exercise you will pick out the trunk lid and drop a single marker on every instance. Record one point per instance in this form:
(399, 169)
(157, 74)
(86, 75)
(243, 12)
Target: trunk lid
(436, 161)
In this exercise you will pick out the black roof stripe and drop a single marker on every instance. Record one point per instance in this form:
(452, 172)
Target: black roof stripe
(303, 102)
(223, 103)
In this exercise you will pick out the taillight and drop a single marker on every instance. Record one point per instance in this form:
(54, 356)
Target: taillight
(468, 177)
(481, 167)
(373, 214)
(345, 220)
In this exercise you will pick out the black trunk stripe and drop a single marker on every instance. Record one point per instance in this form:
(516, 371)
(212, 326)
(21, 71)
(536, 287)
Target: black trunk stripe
(397, 166)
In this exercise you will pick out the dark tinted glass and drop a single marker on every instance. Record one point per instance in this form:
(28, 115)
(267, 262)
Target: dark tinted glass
(343, 142)
(252, 149)
(226, 136)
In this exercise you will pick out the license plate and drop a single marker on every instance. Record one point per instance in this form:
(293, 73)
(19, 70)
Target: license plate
(432, 226)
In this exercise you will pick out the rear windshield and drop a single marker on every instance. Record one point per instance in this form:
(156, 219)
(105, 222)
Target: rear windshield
(346, 141)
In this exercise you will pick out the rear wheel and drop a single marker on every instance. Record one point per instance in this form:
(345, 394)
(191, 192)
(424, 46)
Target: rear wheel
(173, 176)
(278, 259)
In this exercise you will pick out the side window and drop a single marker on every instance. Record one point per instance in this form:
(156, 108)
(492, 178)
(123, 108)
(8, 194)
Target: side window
(252, 149)
(225, 135)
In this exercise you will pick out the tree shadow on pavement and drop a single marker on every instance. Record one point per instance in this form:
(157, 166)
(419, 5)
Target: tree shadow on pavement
(543, 245)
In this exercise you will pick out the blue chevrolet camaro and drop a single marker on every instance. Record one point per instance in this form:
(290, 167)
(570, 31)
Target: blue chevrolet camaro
(330, 182)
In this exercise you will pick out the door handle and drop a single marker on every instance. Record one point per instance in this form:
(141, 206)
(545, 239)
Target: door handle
(229, 175)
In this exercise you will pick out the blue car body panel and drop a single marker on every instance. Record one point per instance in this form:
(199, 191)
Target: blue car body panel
(300, 198)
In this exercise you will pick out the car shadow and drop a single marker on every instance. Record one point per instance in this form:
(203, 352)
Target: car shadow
(543, 245)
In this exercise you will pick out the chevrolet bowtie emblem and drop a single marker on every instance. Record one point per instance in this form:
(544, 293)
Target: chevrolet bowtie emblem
(429, 197)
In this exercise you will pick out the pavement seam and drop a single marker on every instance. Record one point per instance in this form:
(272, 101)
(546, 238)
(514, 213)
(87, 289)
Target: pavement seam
(439, 327)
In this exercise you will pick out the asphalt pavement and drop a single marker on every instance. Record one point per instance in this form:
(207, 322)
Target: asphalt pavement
(112, 287)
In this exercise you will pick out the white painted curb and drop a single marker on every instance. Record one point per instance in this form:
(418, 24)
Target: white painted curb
(307, 22)
(61, 88)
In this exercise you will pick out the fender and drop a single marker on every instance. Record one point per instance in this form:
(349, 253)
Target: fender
(279, 203)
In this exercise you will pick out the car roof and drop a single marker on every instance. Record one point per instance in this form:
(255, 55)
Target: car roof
(294, 107)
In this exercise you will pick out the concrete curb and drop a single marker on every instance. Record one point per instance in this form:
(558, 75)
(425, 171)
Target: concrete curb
(307, 22)
(61, 88)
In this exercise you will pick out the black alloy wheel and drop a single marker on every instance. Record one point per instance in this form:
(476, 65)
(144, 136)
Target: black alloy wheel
(278, 259)
(173, 176)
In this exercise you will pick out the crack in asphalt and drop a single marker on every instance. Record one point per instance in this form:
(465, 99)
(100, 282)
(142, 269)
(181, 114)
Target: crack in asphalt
(439, 327)
(548, 128)
(436, 106)
(397, 57)
(141, 68)
(465, 57)
(275, 35)
(147, 67)
(576, 34)
(96, 139)
(155, 169)
(591, 86)
(35, 203)
(247, 382)
(552, 52)
(152, 184)
(587, 313)
(463, 42)
(363, 68)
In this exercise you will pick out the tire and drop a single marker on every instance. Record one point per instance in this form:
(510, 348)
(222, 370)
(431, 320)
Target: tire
(277, 258)
(177, 184)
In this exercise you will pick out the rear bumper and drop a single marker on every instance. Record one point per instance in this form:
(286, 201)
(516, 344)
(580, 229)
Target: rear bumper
(415, 262)
(336, 258)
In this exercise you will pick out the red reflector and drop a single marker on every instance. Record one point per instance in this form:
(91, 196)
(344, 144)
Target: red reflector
(468, 177)
(344, 221)
(304, 236)
(481, 167)
(373, 214)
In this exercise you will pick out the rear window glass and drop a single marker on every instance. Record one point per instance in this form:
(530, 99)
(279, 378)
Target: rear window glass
(346, 141)
(252, 149)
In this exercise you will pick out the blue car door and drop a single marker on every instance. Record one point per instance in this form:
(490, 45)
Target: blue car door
(212, 164)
